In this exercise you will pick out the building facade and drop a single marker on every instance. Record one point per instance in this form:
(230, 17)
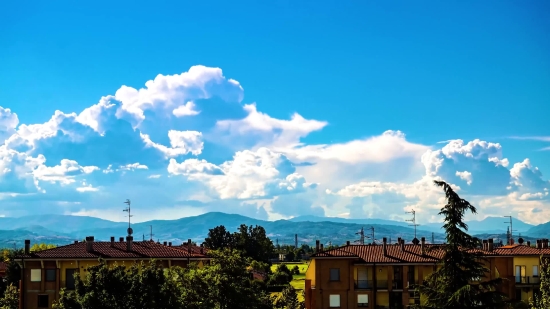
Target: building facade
(379, 276)
(45, 273)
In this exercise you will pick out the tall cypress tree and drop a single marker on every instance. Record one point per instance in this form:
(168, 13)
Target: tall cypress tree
(459, 282)
(542, 301)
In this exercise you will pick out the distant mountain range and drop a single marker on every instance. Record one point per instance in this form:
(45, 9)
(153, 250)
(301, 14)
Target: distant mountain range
(63, 229)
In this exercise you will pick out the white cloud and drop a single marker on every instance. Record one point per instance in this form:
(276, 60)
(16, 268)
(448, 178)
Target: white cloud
(466, 176)
(64, 173)
(188, 109)
(182, 142)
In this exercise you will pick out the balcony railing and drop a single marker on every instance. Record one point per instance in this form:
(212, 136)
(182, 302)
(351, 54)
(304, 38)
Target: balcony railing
(397, 284)
(381, 284)
(527, 280)
(364, 284)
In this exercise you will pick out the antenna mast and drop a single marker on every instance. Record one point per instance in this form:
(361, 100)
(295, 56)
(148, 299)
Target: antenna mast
(130, 231)
(510, 235)
(413, 220)
(372, 234)
(151, 232)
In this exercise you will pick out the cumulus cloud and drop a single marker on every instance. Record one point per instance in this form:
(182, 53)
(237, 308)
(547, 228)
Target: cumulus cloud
(187, 144)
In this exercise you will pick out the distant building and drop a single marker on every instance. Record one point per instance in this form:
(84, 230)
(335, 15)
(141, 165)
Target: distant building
(45, 273)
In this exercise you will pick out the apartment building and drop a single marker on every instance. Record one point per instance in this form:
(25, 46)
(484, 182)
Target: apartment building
(45, 273)
(379, 276)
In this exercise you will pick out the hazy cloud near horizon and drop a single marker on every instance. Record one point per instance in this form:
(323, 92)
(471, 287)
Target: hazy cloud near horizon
(187, 144)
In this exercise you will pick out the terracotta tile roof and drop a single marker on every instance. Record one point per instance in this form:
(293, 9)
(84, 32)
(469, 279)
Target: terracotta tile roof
(194, 249)
(104, 249)
(521, 250)
(394, 254)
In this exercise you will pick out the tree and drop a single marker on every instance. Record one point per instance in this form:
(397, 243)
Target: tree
(288, 299)
(542, 301)
(282, 276)
(13, 270)
(218, 238)
(458, 284)
(253, 242)
(41, 247)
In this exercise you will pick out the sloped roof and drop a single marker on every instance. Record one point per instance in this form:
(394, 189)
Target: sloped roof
(394, 254)
(518, 249)
(106, 249)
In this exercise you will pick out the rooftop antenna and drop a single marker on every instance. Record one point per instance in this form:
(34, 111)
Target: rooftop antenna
(130, 231)
(372, 234)
(362, 236)
(151, 232)
(413, 220)
(511, 234)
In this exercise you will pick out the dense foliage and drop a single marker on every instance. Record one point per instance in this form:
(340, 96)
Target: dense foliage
(542, 301)
(252, 241)
(10, 299)
(459, 282)
(224, 283)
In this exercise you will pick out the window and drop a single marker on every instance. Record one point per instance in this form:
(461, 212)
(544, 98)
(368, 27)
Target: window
(51, 274)
(36, 275)
(362, 300)
(334, 301)
(535, 271)
(335, 274)
(43, 301)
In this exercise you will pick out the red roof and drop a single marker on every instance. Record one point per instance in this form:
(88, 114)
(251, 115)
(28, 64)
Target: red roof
(518, 249)
(410, 253)
(106, 249)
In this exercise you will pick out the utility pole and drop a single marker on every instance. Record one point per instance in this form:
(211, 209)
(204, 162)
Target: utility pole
(413, 220)
(361, 237)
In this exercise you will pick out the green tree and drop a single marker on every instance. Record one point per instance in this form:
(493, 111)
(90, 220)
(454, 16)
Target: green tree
(542, 301)
(41, 247)
(288, 299)
(253, 242)
(459, 283)
(218, 238)
(10, 299)
(282, 276)
(13, 270)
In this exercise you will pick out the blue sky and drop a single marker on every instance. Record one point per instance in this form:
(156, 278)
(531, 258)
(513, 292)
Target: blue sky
(358, 106)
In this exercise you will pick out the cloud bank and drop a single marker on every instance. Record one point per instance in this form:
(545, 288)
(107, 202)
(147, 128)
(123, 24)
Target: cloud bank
(186, 144)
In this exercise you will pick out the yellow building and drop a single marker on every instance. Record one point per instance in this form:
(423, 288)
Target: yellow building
(379, 276)
(45, 273)
(525, 266)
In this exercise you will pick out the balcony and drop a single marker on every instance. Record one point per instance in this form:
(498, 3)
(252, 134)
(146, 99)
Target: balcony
(381, 284)
(364, 284)
(397, 284)
(527, 280)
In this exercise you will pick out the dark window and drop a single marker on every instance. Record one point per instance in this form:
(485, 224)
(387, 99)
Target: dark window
(43, 301)
(51, 274)
(69, 276)
(335, 274)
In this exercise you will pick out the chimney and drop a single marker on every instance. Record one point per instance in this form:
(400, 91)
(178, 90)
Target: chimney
(169, 244)
(129, 240)
(485, 245)
(121, 239)
(545, 243)
(490, 245)
(112, 241)
(422, 245)
(321, 247)
(528, 244)
(189, 245)
(384, 248)
(165, 243)
(403, 245)
(347, 243)
(511, 241)
(90, 244)
(76, 241)
(317, 246)
(27, 246)
(398, 240)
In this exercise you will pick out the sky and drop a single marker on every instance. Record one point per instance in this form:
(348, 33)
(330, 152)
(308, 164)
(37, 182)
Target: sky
(274, 109)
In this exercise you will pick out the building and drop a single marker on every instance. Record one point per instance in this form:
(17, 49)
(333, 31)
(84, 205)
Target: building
(525, 262)
(45, 273)
(379, 276)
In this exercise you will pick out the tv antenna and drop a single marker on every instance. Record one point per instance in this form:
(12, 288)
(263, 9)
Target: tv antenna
(128, 209)
(413, 220)
(511, 233)
(361, 239)
(151, 232)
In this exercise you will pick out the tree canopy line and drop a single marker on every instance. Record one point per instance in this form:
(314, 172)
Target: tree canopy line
(225, 282)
